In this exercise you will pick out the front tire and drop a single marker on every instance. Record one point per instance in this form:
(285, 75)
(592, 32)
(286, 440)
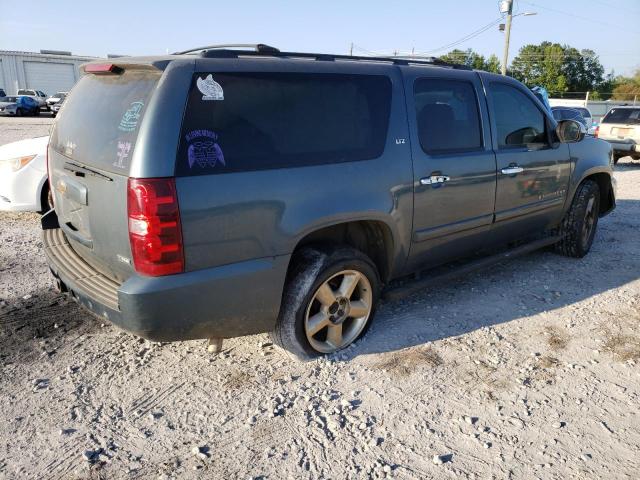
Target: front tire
(579, 226)
(328, 303)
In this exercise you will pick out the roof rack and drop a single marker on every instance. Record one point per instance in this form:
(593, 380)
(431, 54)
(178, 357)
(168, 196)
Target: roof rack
(257, 48)
(261, 50)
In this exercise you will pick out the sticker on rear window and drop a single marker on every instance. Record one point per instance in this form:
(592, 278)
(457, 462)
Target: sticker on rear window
(210, 89)
(123, 153)
(203, 150)
(130, 118)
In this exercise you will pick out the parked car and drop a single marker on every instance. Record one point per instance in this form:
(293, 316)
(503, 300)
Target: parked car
(57, 98)
(23, 176)
(55, 108)
(621, 128)
(37, 95)
(226, 193)
(586, 114)
(19, 106)
(566, 113)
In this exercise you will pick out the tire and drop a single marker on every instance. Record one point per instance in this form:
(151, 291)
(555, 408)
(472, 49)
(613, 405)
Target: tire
(581, 221)
(616, 158)
(313, 268)
(19, 112)
(46, 199)
(36, 112)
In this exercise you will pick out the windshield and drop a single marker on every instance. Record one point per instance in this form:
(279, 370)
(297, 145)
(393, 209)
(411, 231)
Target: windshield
(584, 112)
(59, 95)
(623, 115)
(26, 92)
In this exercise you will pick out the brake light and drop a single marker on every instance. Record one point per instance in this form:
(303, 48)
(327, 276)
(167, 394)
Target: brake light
(48, 178)
(596, 131)
(155, 232)
(103, 68)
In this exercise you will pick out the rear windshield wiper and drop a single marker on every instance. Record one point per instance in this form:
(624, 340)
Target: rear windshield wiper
(74, 167)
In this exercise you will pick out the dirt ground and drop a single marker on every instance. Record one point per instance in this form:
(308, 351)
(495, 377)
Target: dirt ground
(528, 370)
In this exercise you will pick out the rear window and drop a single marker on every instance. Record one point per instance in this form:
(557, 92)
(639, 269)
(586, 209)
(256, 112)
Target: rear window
(26, 92)
(101, 119)
(623, 115)
(254, 121)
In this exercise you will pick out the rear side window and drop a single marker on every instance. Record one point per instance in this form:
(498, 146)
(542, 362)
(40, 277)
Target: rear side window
(447, 116)
(519, 123)
(101, 119)
(254, 121)
(623, 115)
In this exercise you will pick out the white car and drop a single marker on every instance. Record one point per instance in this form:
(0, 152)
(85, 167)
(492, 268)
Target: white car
(53, 99)
(23, 176)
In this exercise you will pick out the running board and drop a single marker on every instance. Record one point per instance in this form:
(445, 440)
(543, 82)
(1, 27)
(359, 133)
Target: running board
(437, 276)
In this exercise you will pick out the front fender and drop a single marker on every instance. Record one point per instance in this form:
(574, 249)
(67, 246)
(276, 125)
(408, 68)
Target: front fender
(590, 157)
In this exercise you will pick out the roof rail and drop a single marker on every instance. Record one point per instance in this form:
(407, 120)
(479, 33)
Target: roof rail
(257, 47)
(220, 51)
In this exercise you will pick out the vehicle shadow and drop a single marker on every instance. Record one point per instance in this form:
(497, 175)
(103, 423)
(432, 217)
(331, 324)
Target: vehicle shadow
(35, 327)
(542, 281)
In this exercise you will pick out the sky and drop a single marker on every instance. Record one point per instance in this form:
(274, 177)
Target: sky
(141, 27)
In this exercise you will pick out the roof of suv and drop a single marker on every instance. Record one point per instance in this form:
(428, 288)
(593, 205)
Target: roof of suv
(261, 51)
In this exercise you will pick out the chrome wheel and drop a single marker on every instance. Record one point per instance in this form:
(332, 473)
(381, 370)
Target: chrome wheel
(338, 311)
(589, 221)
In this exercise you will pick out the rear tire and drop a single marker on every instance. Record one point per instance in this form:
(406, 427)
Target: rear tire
(580, 223)
(616, 158)
(328, 302)
(19, 112)
(46, 199)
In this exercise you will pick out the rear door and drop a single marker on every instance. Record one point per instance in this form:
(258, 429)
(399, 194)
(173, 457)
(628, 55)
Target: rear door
(533, 172)
(90, 152)
(454, 165)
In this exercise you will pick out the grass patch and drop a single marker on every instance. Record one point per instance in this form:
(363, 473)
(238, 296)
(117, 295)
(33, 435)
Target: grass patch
(406, 361)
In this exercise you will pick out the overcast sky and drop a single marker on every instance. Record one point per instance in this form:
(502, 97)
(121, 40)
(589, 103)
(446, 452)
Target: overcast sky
(610, 27)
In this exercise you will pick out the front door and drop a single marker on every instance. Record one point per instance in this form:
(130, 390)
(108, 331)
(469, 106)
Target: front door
(533, 170)
(454, 165)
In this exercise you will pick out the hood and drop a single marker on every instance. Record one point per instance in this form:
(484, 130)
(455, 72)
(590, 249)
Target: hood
(22, 148)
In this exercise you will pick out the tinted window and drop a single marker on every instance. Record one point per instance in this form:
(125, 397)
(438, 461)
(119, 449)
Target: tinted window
(518, 121)
(623, 115)
(253, 121)
(447, 115)
(101, 119)
(584, 112)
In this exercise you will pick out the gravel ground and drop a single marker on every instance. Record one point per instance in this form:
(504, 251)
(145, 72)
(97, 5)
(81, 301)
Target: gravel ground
(528, 370)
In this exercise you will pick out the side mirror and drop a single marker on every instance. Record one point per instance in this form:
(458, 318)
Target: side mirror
(570, 131)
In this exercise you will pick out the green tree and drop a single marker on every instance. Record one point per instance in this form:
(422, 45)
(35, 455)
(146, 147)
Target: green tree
(473, 60)
(559, 68)
(626, 88)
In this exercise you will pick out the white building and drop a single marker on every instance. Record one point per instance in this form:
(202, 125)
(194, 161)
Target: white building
(48, 71)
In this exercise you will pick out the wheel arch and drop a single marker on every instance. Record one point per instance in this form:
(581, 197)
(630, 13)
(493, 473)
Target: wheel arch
(372, 237)
(605, 186)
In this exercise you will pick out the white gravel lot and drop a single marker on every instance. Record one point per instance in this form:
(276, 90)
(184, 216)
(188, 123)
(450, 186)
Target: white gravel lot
(528, 370)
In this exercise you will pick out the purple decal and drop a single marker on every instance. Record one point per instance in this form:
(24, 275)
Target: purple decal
(204, 150)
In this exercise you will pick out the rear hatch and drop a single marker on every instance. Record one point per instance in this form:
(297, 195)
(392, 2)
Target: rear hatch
(621, 124)
(90, 152)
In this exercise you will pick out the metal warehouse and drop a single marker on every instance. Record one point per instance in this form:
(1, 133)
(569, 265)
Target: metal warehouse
(48, 71)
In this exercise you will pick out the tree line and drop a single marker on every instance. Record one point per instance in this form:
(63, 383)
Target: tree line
(561, 69)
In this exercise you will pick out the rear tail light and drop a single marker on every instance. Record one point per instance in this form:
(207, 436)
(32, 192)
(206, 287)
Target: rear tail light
(596, 131)
(49, 178)
(154, 226)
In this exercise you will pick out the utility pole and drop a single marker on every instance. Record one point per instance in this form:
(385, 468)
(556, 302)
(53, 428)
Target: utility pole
(351, 50)
(507, 35)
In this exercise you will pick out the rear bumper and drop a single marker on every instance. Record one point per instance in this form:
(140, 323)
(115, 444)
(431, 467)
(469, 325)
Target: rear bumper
(621, 146)
(228, 301)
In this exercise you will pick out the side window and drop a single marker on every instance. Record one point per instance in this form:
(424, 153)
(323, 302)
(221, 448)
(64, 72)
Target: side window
(447, 116)
(256, 121)
(519, 122)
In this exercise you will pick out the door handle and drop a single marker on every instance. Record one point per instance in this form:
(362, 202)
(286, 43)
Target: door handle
(512, 170)
(434, 179)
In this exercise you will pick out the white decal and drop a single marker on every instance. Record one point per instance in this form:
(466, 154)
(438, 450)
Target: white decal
(399, 141)
(123, 152)
(210, 89)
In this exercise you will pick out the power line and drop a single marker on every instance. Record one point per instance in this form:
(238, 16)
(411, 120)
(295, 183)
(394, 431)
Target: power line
(616, 8)
(573, 15)
(465, 38)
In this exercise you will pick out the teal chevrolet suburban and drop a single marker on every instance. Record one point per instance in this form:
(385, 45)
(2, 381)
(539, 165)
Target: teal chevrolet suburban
(227, 191)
